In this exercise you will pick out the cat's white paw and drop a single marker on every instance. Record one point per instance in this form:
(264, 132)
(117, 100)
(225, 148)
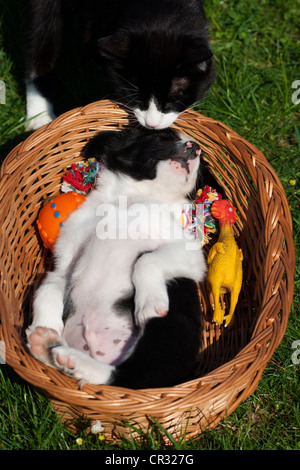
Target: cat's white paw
(39, 110)
(39, 121)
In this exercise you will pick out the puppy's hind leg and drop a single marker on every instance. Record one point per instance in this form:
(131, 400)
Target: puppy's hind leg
(51, 349)
(80, 366)
(48, 303)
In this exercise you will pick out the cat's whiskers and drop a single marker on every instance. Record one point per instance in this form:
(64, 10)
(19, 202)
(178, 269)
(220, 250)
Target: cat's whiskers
(128, 102)
(127, 81)
(128, 89)
(127, 108)
(130, 95)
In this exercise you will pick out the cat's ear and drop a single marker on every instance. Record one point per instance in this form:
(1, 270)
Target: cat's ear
(198, 52)
(111, 47)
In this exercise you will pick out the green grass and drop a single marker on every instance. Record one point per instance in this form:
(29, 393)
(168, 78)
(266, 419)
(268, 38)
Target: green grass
(256, 46)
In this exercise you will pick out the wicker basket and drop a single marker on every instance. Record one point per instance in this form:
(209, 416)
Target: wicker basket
(235, 358)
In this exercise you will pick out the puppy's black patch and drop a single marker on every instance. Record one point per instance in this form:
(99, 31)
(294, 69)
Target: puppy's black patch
(168, 352)
(119, 152)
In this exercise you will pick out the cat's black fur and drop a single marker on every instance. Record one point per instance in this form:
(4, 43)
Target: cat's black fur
(153, 49)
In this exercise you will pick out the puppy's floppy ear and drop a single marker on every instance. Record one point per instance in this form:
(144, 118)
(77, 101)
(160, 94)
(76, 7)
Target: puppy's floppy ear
(98, 146)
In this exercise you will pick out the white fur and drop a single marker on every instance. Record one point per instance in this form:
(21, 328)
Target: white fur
(104, 271)
(153, 118)
(38, 109)
(87, 369)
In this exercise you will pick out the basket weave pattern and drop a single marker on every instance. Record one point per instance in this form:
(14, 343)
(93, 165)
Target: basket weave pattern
(235, 358)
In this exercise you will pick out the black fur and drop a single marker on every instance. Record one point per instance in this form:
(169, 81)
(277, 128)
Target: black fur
(119, 151)
(136, 152)
(149, 47)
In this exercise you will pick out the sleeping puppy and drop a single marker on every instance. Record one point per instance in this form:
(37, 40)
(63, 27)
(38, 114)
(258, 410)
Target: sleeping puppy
(120, 307)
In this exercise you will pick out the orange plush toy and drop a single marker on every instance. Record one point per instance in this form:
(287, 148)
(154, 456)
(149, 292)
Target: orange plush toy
(54, 213)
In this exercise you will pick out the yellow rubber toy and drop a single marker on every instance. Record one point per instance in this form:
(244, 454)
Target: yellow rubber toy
(225, 273)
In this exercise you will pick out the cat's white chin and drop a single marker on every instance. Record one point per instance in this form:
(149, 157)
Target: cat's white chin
(152, 118)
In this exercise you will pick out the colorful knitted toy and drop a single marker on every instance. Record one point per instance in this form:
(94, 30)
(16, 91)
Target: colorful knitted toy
(82, 177)
(197, 216)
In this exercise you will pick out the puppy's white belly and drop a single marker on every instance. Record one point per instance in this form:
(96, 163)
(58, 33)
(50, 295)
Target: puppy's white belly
(104, 275)
(108, 338)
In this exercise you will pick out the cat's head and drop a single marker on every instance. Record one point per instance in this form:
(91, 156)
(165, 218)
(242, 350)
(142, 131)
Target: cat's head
(158, 74)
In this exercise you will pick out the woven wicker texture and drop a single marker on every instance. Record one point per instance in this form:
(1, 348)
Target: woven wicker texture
(234, 358)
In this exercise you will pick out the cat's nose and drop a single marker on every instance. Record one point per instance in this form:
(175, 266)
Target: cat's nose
(151, 125)
(153, 117)
(152, 120)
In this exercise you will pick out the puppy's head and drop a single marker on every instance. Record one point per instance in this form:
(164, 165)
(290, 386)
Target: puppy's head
(164, 156)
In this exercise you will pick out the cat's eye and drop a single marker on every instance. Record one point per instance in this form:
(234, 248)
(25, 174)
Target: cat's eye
(180, 70)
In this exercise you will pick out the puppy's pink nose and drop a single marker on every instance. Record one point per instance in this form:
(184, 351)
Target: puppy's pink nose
(192, 149)
(189, 145)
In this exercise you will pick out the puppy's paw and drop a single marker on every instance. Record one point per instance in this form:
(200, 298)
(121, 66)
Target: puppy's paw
(80, 366)
(150, 303)
(40, 342)
(151, 295)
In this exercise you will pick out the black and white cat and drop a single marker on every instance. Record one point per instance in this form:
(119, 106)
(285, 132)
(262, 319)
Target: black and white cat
(156, 52)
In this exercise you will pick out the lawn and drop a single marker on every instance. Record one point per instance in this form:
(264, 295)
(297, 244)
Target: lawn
(257, 54)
